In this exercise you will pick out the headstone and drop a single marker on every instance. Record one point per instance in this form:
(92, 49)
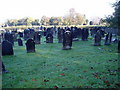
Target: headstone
(20, 42)
(119, 46)
(60, 35)
(31, 33)
(49, 38)
(8, 36)
(30, 46)
(85, 34)
(75, 33)
(97, 39)
(26, 34)
(7, 48)
(67, 40)
(37, 37)
(15, 35)
(108, 39)
(20, 34)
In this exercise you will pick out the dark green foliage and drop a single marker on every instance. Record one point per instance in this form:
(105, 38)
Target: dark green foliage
(114, 20)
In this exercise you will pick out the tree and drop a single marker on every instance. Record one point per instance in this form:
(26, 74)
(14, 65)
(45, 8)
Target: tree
(96, 20)
(12, 22)
(56, 21)
(114, 20)
(35, 22)
(80, 19)
(45, 20)
(74, 18)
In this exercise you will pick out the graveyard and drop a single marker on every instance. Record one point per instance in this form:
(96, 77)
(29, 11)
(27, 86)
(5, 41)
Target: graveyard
(63, 44)
(85, 65)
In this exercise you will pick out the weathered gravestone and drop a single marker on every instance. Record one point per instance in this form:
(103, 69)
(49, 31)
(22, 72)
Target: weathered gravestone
(79, 32)
(119, 46)
(108, 39)
(49, 38)
(85, 34)
(31, 33)
(26, 34)
(15, 35)
(60, 35)
(30, 46)
(7, 48)
(20, 42)
(20, 34)
(67, 40)
(75, 33)
(97, 39)
(8, 36)
(37, 37)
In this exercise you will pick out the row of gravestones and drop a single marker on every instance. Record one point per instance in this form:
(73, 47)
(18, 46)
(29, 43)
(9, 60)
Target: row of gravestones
(67, 40)
(108, 39)
(7, 46)
(76, 33)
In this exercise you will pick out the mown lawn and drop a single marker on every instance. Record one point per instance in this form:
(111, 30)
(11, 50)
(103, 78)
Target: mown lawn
(84, 66)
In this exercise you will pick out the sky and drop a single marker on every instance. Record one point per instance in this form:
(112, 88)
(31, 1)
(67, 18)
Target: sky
(16, 9)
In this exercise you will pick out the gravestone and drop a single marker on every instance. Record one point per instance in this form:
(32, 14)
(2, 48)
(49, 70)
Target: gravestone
(75, 33)
(97, 39)
(60, 35)
(7, 48)
(79, 32)
(8, 36)
(119, 46)
(31, 33)
(30, 46)
(49, 38)
(37, 37)
(20, 42)
(85, 34)
(20, 34)
(26, 34)
(108, 39)
(15, 35)
(67, 40)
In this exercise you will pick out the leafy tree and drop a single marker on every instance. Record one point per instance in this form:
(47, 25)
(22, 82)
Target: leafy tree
(114, 20)
(56, 21)
(35, 22)
(44, 20)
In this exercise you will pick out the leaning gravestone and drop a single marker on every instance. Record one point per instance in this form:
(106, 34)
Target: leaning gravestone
(20, 42)
(37, 37)
(7, 48)
(49, 38)
(67, 40)
(30, 46)
(97, 39)
(119, 46)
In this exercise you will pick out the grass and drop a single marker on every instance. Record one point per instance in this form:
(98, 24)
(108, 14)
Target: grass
(84, 66)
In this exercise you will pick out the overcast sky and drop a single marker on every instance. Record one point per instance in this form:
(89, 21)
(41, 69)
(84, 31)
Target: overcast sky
(15, 9)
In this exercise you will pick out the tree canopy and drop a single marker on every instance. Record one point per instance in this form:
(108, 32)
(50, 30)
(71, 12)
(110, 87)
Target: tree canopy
(114, 20)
